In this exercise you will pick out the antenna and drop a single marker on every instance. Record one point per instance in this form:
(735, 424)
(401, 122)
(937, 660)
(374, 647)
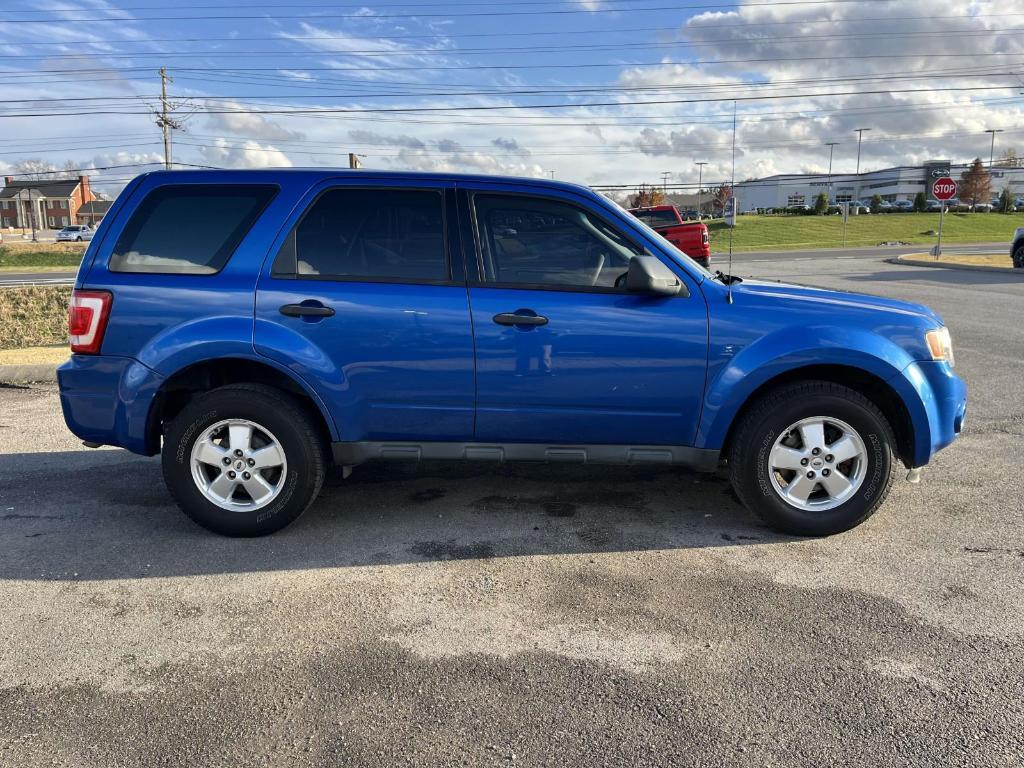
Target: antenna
(732, 198)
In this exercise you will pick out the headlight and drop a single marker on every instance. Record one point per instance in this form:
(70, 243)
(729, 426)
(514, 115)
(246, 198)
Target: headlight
(940, 344)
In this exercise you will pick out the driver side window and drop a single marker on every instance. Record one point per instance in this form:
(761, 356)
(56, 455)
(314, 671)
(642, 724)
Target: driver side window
(548, 243)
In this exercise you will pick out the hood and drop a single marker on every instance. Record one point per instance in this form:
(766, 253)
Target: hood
(838, 299)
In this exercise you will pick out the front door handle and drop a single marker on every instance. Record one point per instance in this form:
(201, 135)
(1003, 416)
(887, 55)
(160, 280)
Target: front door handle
(513, 318)
(306, 310)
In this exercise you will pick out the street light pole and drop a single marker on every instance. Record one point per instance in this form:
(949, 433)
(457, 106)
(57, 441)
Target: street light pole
(700, 181)
(831, 148)
(992, 147)
(860, 139)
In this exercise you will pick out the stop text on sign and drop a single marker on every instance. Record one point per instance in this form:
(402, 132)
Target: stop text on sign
(944, 189)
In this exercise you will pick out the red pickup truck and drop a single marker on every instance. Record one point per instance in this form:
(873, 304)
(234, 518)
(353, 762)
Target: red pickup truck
(690, 237)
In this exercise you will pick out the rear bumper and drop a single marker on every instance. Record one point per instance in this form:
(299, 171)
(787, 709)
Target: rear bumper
(107, 399)
(940, 407)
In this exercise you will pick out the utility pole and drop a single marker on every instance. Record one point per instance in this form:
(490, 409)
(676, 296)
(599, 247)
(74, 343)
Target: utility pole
(664, 181)
(700, 181)
(831, 148)
(552, 174)
(992, 148)
(164, 119)
(353, 160)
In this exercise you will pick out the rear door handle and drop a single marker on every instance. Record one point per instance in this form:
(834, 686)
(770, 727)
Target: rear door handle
(306, 310)
(513, 318)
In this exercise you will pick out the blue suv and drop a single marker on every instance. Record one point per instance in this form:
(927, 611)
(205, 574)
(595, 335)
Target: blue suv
(255, 326)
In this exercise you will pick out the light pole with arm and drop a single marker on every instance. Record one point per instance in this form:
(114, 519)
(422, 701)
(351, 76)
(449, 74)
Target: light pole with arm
(700, 180)
(992, 146)
(831, 148)
(860, 139)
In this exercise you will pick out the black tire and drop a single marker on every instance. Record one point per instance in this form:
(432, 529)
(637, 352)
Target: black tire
(78, 239)
(1018, 256)
(770, 417)
(272, 409)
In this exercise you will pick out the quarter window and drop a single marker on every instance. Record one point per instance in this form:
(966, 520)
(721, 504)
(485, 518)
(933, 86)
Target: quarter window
(548, 243)
(369, 234)
(189, 229)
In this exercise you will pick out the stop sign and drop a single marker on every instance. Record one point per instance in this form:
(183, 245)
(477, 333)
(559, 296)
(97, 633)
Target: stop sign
(944, 188)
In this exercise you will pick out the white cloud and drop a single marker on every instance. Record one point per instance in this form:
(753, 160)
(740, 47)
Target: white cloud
(250, 154)
(250, 125)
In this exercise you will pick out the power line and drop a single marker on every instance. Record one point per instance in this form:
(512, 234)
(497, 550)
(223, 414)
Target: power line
(568, 90)
(490, 50)
(464, 68)
(548, 12)
(494, 107)
(533, 33)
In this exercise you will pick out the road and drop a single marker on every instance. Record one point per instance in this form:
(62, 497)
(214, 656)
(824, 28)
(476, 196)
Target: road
(530, 615)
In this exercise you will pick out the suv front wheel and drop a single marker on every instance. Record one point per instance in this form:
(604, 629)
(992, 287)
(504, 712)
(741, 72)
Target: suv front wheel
(813, 458)
(1018, 256)
(243, 460)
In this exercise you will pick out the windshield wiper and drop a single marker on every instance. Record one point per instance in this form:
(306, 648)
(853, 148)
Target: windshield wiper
(727, 279)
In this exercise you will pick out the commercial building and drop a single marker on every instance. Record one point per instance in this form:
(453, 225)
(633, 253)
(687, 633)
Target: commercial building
(900, 183)
(43, 204)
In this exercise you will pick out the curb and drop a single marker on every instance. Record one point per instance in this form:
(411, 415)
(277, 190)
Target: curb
(966, 267)
(27, 374)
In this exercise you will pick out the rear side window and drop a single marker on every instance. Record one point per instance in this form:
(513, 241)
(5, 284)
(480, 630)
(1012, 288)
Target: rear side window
(369, 234)
(189, 229)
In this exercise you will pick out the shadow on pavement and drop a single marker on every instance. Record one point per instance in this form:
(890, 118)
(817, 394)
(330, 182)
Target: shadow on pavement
(940, 275)
(106, 515)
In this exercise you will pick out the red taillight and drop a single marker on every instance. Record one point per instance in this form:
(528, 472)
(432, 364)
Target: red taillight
(87, 320)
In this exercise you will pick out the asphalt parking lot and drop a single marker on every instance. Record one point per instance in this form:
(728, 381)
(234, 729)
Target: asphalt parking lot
(488, 615)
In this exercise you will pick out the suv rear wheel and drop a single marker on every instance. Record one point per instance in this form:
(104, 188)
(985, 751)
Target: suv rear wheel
(813, 458)
(243, 460)
(1018, 256)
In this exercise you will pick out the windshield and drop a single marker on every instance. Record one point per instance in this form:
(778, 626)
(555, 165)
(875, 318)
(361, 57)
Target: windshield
(657, 218)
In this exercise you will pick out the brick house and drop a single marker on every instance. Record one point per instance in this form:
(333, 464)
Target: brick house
(46, 204)
(92, 213)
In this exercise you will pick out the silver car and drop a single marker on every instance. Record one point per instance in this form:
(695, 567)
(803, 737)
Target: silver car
(76, 233)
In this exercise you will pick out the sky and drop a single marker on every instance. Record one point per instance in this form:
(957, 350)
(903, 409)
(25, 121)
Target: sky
(599, 92)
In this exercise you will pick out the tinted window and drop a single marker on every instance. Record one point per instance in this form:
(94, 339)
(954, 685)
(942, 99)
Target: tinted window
(190, 229)
(533, 241)
(369, 234)
(656, 218)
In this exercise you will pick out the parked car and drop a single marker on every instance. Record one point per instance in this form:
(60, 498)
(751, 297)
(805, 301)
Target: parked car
(933, 206)
(310, 316)
(954, 204)
(1018, 204)
(982, 207)
(1017, 248)
(75, 233)
(690, 237)
(903, 206)
(690, 214)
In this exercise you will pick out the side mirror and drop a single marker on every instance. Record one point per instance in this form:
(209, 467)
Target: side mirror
(647, 274)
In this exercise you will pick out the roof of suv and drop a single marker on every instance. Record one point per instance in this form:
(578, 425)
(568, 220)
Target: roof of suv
(232, 174)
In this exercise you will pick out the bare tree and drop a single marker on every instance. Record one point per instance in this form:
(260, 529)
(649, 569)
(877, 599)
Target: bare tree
(34, 169)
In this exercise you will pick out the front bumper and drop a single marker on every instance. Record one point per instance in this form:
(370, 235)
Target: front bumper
(107, 400)
(938, 410)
